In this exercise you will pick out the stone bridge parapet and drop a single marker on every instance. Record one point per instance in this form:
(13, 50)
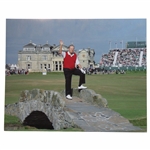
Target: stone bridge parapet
(48, 102)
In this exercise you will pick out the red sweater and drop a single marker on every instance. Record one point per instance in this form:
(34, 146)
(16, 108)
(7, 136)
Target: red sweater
(69, 61)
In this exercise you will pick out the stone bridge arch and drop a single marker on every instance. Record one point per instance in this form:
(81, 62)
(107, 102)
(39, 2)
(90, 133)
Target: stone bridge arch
(47, 102)
(39, 120)
(27, 109)
(87, 111)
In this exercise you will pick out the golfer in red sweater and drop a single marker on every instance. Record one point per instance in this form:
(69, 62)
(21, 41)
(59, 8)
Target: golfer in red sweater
(70, 64)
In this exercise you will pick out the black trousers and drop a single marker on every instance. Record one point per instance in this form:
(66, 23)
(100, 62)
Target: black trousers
(68, 77)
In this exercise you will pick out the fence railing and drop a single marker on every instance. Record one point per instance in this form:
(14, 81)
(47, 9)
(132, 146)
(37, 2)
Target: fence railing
(129, 68)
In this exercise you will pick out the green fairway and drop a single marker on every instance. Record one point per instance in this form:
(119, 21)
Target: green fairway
(125, 93)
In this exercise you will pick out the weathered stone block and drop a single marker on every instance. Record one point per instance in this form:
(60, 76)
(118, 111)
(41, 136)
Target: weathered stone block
(89, 96)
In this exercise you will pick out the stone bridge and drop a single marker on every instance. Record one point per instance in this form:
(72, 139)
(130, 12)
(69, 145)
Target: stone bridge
(49, 109)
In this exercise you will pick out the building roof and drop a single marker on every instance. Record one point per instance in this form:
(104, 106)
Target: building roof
(92, 50)
(86, 49)
(46, 45)
(56, 48)
(38, 47)
(30, 45)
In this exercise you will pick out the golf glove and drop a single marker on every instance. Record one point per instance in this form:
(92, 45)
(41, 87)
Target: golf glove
(83, 71)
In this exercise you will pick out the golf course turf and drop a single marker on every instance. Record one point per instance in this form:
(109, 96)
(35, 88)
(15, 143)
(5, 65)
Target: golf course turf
(125, 93)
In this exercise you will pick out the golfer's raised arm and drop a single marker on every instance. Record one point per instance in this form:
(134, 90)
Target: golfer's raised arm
(60, 49)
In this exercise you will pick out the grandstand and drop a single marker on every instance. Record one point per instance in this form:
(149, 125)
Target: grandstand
(134, 55)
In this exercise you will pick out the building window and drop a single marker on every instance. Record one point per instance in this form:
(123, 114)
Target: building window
(59, 67)
(56, 67)
(48, 65)
(28, 66)
(30, 49)
(44, 57)
(59, 62)
(41, 66)
(46, 49)
(28, 58)
(45, 66)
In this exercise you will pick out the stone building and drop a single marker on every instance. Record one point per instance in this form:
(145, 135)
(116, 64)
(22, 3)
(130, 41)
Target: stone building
(36, 58)
(86, 57)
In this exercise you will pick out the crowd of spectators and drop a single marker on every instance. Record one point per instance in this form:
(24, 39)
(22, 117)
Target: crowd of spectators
(107, 59)
(103, 70)
(108, 71)
(125, 57)
(9, 72)
(144, 57)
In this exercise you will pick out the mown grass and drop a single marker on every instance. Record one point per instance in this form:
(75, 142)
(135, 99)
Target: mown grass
(141, 122)
(125, 93)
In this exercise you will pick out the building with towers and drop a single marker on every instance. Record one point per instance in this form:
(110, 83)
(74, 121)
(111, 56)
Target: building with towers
(36, 58)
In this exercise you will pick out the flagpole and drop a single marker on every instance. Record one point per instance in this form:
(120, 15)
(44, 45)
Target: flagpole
(110, 45)
(116, 45)
(136, 42)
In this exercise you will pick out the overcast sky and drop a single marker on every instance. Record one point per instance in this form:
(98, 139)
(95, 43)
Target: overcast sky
(83, 33)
